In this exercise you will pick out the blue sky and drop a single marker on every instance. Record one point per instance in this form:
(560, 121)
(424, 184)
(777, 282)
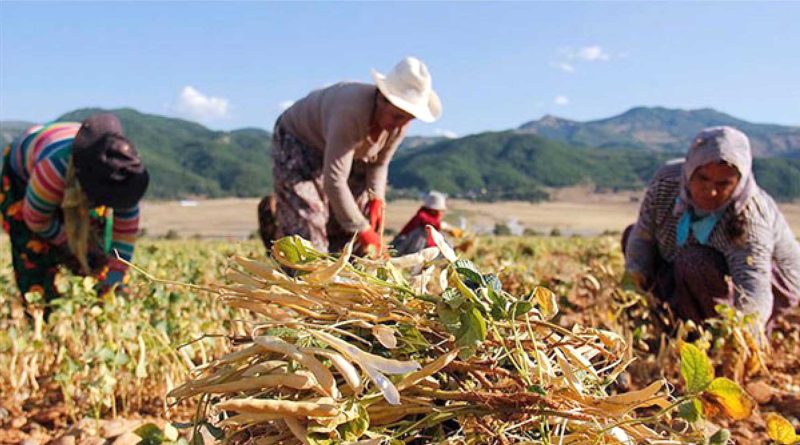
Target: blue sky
(495, 65)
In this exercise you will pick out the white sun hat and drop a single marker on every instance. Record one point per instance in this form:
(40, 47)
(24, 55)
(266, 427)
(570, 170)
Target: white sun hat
(408, 86)
(435, 201)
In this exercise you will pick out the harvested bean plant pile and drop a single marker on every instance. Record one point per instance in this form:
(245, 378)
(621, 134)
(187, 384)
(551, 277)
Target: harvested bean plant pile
(424, 349)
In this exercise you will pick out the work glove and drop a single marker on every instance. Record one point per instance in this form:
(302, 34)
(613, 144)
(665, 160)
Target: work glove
(369, 243)
(112, 277)
(456, 232)
(375, 212)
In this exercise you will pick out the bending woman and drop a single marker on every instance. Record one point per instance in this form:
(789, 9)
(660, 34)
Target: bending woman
(58, 182)
(333, 147)
(705, 219)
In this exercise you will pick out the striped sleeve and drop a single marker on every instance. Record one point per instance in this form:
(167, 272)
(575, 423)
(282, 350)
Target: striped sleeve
(750, 264)
(43, 196)
(642, 248)
(751, 270)
(126, 227)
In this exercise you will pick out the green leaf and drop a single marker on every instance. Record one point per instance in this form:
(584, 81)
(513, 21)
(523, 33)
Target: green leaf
(696, 369)
(721, 437)
(450, 317)
(287, 248)
(453, 298)
(500, 304)
(150, 434)
(466, 324)
(731, 397)
(521, 308)
(456, 281)
(411, 340)
(468, 270)
(473, 328)
(295, 249)
(354, 429)
(691, 410)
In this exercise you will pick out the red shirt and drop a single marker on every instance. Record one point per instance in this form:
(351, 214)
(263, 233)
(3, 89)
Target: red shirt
(424, 217)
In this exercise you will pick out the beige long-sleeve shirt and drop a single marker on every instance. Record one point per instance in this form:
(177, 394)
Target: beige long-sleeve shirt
(336, 121)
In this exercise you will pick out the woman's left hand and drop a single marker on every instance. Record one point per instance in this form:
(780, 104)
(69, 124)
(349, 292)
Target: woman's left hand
(375, 212)
(114, 279)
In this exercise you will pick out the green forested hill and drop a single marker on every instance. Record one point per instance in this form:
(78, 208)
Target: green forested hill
(509, 165)
(186, 158)
(513, 165)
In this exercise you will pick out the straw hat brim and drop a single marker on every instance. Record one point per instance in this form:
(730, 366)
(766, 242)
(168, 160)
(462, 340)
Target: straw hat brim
(428, 111)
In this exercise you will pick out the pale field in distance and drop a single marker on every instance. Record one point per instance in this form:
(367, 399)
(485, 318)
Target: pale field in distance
(573, 211)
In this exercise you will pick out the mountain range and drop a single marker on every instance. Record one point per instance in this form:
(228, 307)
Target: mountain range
(187, 159)
(663, 129)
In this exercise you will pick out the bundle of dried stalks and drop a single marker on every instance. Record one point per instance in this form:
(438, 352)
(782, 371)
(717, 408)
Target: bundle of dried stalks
(421, 348)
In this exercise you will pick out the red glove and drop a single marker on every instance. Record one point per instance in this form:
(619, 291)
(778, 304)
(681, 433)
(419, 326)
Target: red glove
(369, 237)
(375, 211)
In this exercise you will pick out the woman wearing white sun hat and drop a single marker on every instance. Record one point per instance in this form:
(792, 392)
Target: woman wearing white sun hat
(415, 236)
(331, 153)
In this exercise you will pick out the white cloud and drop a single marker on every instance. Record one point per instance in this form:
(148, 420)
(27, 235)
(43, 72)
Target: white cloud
(193, 104)
(563, 66)
(449, 134)
(593, 53)
(571, 56)
(561, 101)
(285, 104)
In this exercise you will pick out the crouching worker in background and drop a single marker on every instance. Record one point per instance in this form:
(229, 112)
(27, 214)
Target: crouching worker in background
(706, 219)
(413, 237)
(331, 153)
(69, 196)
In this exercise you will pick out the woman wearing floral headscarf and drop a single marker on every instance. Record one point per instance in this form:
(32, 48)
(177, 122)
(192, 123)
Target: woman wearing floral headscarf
(706, 218)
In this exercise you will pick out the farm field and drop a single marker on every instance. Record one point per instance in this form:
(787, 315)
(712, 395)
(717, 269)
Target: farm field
(104, 357)
(573, 211)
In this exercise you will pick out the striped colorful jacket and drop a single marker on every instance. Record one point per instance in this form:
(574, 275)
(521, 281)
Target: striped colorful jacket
(41, 157)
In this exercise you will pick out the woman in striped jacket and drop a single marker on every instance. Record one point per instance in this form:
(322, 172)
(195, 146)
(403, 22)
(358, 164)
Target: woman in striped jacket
(705, 219)
(61, 184)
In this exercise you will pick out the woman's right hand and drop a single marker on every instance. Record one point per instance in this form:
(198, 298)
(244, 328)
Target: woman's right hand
(633, 281)
(369, 243)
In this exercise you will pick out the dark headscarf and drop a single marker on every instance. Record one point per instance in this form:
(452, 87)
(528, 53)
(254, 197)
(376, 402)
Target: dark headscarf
(107, 165)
